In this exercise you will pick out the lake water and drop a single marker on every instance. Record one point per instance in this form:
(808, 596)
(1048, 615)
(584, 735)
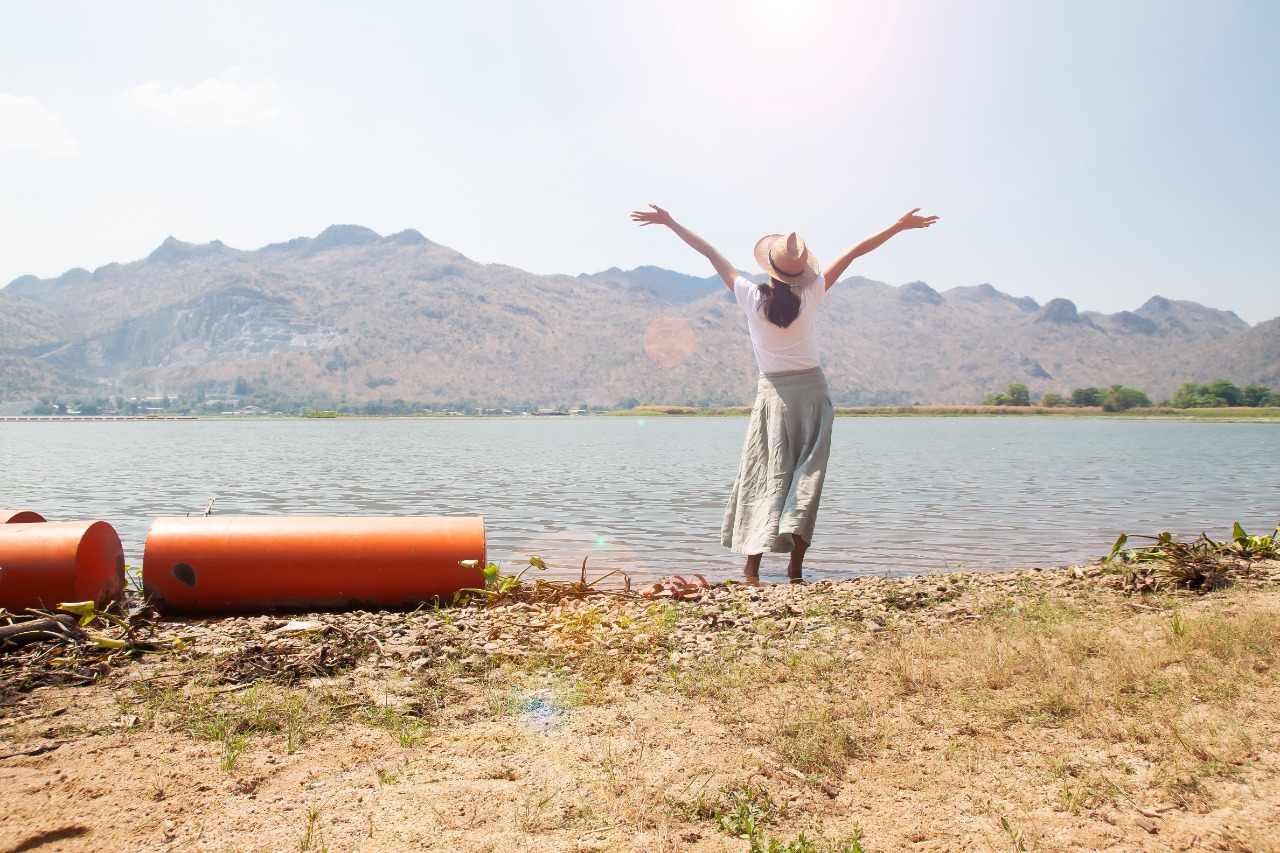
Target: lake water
(903, 495)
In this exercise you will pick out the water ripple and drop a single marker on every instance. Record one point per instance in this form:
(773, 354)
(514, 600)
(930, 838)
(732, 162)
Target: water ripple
(902, 494)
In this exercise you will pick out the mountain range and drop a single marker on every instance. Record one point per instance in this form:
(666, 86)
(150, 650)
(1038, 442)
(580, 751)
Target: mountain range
(351, 314)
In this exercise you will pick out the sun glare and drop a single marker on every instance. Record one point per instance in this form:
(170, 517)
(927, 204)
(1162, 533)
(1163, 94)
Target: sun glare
(790, 55)
(785, 18)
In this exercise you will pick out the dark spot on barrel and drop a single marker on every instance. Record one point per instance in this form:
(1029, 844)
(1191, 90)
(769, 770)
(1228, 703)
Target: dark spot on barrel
(120, 563)
(184, 573)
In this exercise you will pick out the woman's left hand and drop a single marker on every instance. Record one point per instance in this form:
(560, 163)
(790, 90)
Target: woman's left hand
(657, 216)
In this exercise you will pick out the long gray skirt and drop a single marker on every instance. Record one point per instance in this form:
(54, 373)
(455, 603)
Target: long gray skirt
(784, 461)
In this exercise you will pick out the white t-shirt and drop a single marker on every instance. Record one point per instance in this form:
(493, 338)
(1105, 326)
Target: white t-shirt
(779, 350)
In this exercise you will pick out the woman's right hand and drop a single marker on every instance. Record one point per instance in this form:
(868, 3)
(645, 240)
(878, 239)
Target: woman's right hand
(910, 220)
(657, 216)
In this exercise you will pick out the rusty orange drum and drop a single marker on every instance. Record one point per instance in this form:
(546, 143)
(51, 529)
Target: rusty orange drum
(230, 564)
(19, 516)
(44, 565)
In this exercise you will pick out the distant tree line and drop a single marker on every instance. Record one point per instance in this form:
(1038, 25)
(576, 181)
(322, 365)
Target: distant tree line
(93, 406)
(1119, 398)
(1222, 393)
(244, 397)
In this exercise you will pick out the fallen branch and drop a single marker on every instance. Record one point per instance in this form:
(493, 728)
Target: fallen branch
(60, 627)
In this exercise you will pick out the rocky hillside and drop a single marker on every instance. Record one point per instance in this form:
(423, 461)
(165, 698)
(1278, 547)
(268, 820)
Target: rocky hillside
(350, 312)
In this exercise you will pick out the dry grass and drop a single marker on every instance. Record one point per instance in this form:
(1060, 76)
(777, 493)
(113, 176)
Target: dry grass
(1092, 665)
(1043, 719)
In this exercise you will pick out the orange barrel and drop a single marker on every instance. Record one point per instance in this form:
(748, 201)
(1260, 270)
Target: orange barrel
(44, 565)
(19, 516)
(224, 564)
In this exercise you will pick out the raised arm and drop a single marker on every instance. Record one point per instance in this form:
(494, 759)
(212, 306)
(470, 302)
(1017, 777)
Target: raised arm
(909, 220)
(658, 216)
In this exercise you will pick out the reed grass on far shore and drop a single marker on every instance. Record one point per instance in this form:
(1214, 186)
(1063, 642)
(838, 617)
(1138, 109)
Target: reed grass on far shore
(1238, 413)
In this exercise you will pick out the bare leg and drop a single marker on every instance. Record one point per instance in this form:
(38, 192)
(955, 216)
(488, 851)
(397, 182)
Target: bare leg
(795, 568)
(751, 572)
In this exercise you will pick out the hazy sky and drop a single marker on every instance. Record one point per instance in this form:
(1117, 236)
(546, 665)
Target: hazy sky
(1099, 151)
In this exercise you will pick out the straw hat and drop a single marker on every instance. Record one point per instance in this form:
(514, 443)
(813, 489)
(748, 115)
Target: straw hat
(786, 258)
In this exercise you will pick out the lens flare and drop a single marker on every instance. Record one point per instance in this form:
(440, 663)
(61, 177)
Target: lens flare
(541, 712)
(668, 341)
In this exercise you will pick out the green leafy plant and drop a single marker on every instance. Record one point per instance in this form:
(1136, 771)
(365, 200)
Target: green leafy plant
(295, 722)
(129, 624)
(1070, 797)
(311, 837)
(406, 729)
(232, 747)
(1015, 834)
(499, 587)
(234, 736)
(386, 777)
(496, 584)
(745, 811)
(1197, 565)
(802, 844)
(742, 821)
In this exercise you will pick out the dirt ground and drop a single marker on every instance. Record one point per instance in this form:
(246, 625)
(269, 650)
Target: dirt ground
(1030, 710)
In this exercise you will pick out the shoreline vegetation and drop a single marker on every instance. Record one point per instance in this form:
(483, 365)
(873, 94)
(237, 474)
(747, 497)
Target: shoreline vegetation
(1215, 401)
(1129, 704)
(1232, 413)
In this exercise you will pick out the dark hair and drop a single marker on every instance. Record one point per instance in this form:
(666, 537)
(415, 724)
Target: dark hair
(779, 304)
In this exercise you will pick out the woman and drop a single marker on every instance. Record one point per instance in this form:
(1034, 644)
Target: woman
(774, 502)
